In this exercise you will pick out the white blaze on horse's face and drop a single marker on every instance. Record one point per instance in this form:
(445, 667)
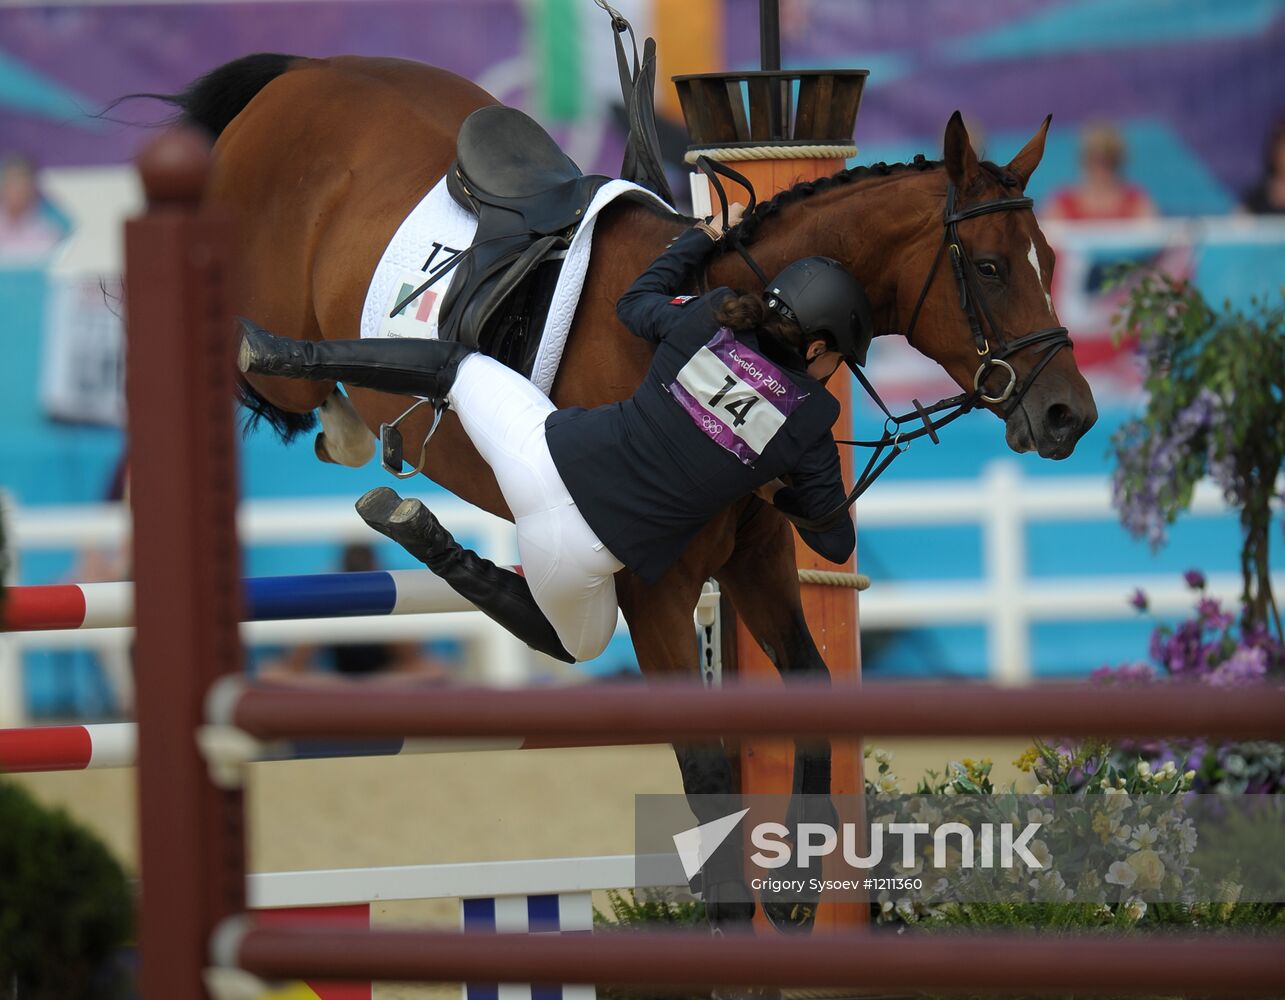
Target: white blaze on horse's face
(1034, 258)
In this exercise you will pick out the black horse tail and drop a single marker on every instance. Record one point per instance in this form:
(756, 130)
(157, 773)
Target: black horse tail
(211, 103)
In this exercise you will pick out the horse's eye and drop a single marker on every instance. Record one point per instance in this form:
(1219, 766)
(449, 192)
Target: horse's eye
(987, 269)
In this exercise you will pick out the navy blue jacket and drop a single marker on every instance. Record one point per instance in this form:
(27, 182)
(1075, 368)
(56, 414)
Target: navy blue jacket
(714, 419)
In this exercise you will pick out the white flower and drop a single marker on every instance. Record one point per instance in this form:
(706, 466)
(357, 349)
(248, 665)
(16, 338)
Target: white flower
(887, 783)
(1043, 789)
(1054, 880)
(1169, 769)
(1144, 836)
(1136, 908)
(1144, 769)
(884, 756)
(1040, 851)
(1116, 800)
(1039, 816)
(1121, 874)
(949, 790)
(1189, 776)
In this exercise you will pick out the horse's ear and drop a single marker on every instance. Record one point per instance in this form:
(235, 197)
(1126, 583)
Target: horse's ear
(1024, 163)
(961, 160)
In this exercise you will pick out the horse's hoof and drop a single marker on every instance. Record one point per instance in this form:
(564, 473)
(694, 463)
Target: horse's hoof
(376, 507)
(790, 916)
(321, 451)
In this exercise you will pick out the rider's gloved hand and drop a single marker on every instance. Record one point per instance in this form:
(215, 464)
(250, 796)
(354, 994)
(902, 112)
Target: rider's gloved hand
(713, 226)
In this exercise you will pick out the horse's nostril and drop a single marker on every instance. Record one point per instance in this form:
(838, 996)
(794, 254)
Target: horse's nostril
(1060, 419)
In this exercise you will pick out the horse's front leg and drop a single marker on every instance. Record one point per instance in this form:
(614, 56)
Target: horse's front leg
(664, 637)
(761, 578)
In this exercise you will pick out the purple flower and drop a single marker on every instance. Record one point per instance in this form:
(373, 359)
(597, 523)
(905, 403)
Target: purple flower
(1245, 665)
(1159, 644)
(1139, 600)
(1125, 673)
(1212, 614)
(1195, 579)
(1148, 464)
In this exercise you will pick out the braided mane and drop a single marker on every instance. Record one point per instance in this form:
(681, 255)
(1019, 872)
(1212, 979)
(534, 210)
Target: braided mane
(748, 227)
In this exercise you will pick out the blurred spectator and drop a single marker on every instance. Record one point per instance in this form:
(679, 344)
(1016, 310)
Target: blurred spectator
(1268, 196)
(352, 660)
(26, 230)
(1102, 191)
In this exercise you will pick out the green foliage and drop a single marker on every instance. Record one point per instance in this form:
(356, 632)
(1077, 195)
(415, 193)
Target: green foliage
(65, 903)
(1054, 917)
(1087, 918)
(961, 777)
(1215, 383)
(644, 909)
(1093, 768)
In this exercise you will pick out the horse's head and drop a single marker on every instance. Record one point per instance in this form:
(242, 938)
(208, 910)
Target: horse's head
(976, 280)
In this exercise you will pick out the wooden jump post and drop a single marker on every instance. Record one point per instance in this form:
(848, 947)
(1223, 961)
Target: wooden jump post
(187, 578)
(752, 122)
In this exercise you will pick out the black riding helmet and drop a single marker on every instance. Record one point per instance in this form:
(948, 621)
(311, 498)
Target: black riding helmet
(824, 299)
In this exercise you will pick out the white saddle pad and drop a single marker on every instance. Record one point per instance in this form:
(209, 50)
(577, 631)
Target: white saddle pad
(435, 233)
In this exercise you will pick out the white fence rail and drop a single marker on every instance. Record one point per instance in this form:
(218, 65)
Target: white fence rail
(1004, 599)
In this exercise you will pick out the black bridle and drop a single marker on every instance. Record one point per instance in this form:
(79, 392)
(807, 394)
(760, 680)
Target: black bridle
(994, 356)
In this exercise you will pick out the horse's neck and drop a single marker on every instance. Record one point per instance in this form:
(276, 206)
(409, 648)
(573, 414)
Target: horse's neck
(864, 224)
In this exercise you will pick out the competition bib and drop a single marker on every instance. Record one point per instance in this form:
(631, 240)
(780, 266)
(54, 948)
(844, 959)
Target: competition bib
(735, 396)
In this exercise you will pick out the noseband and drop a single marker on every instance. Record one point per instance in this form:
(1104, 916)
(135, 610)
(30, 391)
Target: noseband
(993, 356)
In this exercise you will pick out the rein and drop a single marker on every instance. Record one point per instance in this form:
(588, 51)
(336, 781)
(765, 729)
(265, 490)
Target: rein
(894, 440)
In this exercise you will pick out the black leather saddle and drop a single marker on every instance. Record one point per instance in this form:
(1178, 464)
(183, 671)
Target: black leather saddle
(528, 197)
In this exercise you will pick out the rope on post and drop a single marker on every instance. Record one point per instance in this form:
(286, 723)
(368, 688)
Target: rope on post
(833, 578)
(829, 151)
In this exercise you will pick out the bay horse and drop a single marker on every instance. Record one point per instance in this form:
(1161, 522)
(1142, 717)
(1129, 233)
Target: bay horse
(319, 160)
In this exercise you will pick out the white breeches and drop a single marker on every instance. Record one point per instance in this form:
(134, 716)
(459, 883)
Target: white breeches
(569, 570)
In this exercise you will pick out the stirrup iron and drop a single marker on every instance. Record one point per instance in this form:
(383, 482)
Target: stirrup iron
(392, 448)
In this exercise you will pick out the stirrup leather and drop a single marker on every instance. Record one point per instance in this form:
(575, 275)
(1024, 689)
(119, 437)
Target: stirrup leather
(392, 447)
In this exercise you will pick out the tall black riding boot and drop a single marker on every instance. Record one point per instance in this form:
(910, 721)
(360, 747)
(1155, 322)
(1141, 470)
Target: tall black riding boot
(500, 594)
(408, 366)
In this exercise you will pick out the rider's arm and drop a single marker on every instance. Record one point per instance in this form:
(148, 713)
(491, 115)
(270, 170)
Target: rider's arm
(652, 307)
(815, 489)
